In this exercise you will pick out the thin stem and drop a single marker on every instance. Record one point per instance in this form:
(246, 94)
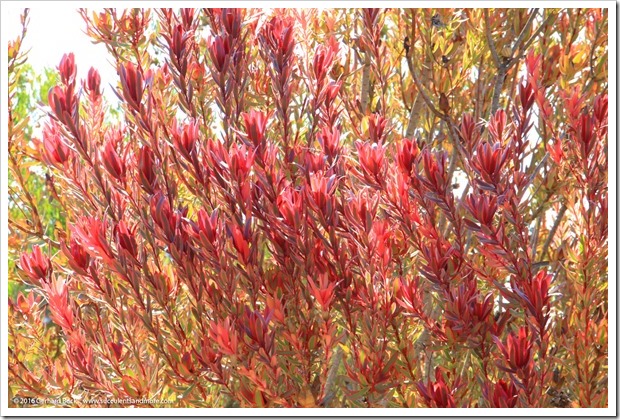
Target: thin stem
(558, 219)
(490, 41)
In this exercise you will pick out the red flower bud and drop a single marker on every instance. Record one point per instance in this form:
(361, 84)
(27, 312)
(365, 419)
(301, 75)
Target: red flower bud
(256, 327)
(132, 84)
(231, 20)
(329, 139)
(407, 152)
(55, 151)
(36, 265)
(148, 179)
(290, 204)
(573, 104)
(319, 190)
(376, 128)
(585, 134)
(482, 207)
(186, 138)
(224, 334)
(468, 130)
(63, 102)
(91, 233)
(220, 51)
(241, 161)
(67, 69)
(93, 83)
(532, 64)
(278, 34)
(187, 17)
(527, 95)
(489, 161)
(496, 126)
(371, 158)
(437, 394)
(207, 225)
(255, 126)
(504, 395)
(331, 92)
(536, 296)
(314, 162)
(323, 292)
(77, 257)
(113, 162)
(177, 42)
(435, 170)
(555, 150)
(517, 350)
(58, 298)
(322, 62)
(379, 237)
(125, 239)
(163, 216)
(240, 242)
(117, 350)
(601, 109)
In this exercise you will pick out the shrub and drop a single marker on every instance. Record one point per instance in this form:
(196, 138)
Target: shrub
(308, 208)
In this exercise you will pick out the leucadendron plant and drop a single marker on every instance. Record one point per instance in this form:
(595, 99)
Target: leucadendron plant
(318, 208)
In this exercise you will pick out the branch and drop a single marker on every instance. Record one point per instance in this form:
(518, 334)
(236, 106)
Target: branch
(521, 36)
(497, 88)
(535, 35)
(413, 118)
(422, 92)
(452, 131)
(552, 232)
(543, 205)
(592, 76)
(365, 83)
(329, 391)
(504, 65)
(490, 41)
(534, 242)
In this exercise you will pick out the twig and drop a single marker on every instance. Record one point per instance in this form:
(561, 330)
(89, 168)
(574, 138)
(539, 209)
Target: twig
(422, 92)
(413, 118)
(365, 83)
(503, 65)
(497, 88)
(534, 242)
(329, 390)
(535, 35)
(490, 41)
(543, 254)
(445, 117)
(592, 76)
(542, 205)
(521, 36)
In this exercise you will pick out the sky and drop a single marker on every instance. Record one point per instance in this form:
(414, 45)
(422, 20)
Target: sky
(55, 30)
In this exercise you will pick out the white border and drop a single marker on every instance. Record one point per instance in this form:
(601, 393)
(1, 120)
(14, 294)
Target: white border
(356, 412)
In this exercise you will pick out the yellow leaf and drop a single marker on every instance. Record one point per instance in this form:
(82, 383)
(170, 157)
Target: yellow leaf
(364, 124)
(305, 398)
(580, 57)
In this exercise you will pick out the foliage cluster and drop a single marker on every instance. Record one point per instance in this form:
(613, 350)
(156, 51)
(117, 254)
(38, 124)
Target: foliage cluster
(301, 208)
